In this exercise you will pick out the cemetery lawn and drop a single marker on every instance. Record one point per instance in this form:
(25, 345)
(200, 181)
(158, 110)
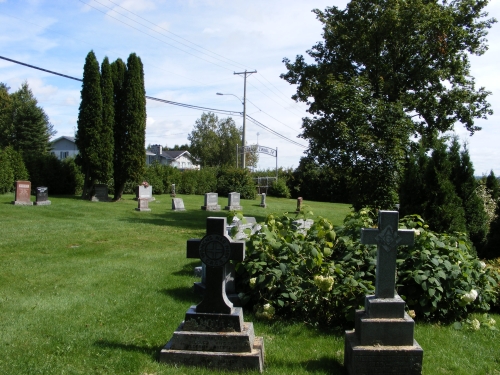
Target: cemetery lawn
(99, 288)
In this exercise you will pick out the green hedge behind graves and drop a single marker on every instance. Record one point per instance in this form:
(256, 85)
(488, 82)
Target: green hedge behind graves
(322, 276)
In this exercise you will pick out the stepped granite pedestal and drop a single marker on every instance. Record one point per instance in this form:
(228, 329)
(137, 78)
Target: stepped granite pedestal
(382, 340)
(213, 333)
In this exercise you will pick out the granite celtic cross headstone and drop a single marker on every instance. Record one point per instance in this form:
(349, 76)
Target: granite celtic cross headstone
(215, 250)
(387, 238)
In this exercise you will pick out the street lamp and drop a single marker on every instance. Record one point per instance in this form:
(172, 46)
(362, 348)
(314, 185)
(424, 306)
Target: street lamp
(244, 122)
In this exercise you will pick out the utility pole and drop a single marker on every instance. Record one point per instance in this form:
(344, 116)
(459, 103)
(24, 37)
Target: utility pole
(245, 73)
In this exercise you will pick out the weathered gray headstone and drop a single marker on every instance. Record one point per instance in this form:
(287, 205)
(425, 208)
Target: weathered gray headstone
(172, 194)
(233, 202)
(213, 333)
(263, 200)
(302, 225)
(382, 341)
(145, 192)
(100, 193)
(299, 204)
(143, 205)
(23, 194)
(42, 196)
(211, 202)
(178, 204)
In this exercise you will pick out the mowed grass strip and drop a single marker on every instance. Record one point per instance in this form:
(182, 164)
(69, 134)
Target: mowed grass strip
(99, 288)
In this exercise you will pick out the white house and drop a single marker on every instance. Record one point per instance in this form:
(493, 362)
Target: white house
(177, 159)
(64, 147)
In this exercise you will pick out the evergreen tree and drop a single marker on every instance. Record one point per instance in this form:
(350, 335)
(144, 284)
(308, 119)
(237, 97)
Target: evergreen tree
(492, 247)
(412, 190)
(118, 69)
(106, 140)
(132, 162)
(89, 123)
(493, 186)
(6, 131)
(30, 128)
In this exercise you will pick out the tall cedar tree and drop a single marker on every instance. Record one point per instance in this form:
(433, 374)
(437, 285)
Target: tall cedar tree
(6, 131)
(493, 185)
(131, 161)
(118, 69)
(89, 123)
(462, 176)
(106, 139)
(385, 70)
(31, 128)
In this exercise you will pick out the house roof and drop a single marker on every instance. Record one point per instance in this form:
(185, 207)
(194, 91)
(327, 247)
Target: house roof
(71, 139)
(175, 154)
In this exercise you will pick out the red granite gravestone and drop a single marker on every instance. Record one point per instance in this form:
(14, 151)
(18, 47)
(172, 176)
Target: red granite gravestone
(23, 194)
(213, 333)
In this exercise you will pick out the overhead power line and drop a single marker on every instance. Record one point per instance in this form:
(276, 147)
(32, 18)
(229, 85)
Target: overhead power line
(190, 106)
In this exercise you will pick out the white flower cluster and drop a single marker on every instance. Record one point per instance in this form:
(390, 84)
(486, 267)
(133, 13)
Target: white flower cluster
(265, 312)
(470, 296)
(475, 325)
(253, 280)
(325, 284)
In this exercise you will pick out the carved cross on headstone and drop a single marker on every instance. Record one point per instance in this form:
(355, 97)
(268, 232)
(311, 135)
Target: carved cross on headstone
(215, 250)
(387, 238)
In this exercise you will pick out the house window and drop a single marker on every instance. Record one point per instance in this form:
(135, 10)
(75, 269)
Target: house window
(63, 155)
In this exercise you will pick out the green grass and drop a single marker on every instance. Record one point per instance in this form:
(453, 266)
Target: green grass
(99, 288)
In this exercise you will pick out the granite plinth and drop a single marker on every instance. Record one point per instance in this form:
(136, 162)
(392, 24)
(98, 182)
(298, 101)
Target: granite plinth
(143, 205)
(384, 331)
(253, 360)
(22, 203)
(43, 203)
(214, 322)
(385, 307)
(377, 359)
(233, 208)
(211, 208)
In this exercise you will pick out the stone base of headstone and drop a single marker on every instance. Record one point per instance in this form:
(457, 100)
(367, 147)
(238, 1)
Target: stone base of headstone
(211, 208)
(43, 203)
(22, 203)
(382, 340)
(219, 341)
(142, 205)
(233, 208)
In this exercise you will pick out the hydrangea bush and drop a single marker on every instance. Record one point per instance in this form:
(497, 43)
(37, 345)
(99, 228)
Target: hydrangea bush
(321, 276)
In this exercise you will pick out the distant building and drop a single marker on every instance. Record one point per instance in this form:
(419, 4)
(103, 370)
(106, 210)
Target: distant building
(176, 159)
(64, 147)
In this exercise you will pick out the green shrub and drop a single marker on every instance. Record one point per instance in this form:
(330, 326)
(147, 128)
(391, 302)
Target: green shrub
(322, 276)
(279, 189)
(236, 179)
(153, 175)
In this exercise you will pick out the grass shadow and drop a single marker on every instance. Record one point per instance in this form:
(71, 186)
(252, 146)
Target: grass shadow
(187, 269)
(325, 364)
(182, 294)
(152, 351)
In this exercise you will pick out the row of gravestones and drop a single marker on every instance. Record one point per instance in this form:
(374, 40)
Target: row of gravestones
(213, 333)
(23, 195)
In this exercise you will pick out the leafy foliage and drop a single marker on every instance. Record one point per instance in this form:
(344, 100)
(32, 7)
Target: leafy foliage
(322, 275)
(236, 179)
(279, 189)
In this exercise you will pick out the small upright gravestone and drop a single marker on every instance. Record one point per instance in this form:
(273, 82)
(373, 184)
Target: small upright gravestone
(213, 333)
(233, 202)
(211, 202)
(143, 205)
(299, 205)
(100, 193)
(145, 192)
(382, 341)
(23, 194)
(178, 204)
(172, 194)
(263, 200)
(42, 196)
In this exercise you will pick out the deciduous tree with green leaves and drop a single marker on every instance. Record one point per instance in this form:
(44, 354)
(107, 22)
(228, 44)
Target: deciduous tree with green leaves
(385, 71)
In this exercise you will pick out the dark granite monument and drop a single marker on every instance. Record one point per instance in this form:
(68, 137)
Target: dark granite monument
(211, 202)
(178, 204)
(213, 333)
(382, 341)
(23, 194)
(263, 200)
(100, 193)
(233, 202)
(42, 196)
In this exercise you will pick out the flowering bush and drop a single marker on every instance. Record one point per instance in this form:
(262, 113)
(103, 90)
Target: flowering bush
(322, 275)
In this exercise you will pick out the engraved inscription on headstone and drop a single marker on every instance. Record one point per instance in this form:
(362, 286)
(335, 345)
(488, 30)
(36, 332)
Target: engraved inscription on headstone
(42, 195)
(23, 193)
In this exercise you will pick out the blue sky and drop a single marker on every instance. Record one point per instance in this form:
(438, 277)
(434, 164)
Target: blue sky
(190, 50)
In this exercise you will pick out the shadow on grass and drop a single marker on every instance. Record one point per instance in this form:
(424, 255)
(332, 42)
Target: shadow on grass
(182, 294)
(187, 269)
(152, 351)
(325, 364)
